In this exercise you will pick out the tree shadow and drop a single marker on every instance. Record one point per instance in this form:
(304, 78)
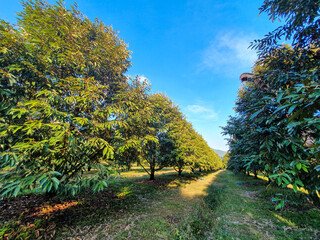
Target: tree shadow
(298, 211)
(38, 215)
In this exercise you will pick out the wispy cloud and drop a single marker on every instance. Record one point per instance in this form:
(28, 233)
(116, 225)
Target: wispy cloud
(200, 112)
(142, 79)
(229, 52)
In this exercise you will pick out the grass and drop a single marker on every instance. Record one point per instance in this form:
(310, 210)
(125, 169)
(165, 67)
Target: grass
(246, 211)
(154, 210)
(210, 205)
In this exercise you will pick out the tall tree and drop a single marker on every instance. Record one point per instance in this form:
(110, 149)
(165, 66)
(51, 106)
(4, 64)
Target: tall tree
(156, 152)
(279, 107)
(59, 73)
(225, 160)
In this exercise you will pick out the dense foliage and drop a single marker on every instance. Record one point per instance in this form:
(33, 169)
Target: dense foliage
(276, 130)
(225, 160)
(67, 107)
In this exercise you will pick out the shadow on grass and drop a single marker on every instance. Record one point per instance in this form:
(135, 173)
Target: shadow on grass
(247, 195)
(298, 210)
(216, 195)
(35, 215)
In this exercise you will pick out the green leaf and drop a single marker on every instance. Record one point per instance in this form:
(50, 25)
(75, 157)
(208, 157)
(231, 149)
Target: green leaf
(16, 191)
(279, 180)
(279, 96)
(280, 205)
(291, 109)
(256, 114)
(55, 173)
(274, 176)
(298, 182)
(106, 151)
(285, 181)
(295, 188)
(56, 182)
(281, 108)
(299, 166)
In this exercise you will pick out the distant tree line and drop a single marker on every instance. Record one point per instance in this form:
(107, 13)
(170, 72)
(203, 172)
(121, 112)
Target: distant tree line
(276, 129)
(67, 107)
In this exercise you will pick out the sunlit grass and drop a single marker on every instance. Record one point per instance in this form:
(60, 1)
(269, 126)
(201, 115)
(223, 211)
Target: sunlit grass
(198, 188)
(124, 192)
(194, 206)
(137, 171)
(244, 210)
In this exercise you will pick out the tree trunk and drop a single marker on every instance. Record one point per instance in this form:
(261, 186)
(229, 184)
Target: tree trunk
(200, 169)
(152, 173)
(248, 173)
(152, 168)
(255, 174)
(180, 171)
(192, 170)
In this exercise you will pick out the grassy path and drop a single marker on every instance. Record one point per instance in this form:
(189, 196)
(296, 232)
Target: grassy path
(175, 210)
(244, 210)
(198, 188)
(218, 205)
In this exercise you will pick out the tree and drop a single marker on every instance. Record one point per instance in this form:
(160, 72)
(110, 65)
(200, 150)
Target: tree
(181, 135)
(225, 160)
(293, 114)
(156, 152)
(59, 73)
(156, 134)
(132, 135)
(279, 107)
(301, 25)
(292, 74)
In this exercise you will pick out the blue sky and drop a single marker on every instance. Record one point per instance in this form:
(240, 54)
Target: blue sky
(194, 51)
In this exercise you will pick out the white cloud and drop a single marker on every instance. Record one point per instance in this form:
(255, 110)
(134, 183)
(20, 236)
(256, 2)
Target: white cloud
(198, 112)
(197, 108)
(143, 79)
(229, 52)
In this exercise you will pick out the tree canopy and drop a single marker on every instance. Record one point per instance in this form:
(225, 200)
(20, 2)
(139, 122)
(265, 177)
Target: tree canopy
(276, 128)
(67, 107)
